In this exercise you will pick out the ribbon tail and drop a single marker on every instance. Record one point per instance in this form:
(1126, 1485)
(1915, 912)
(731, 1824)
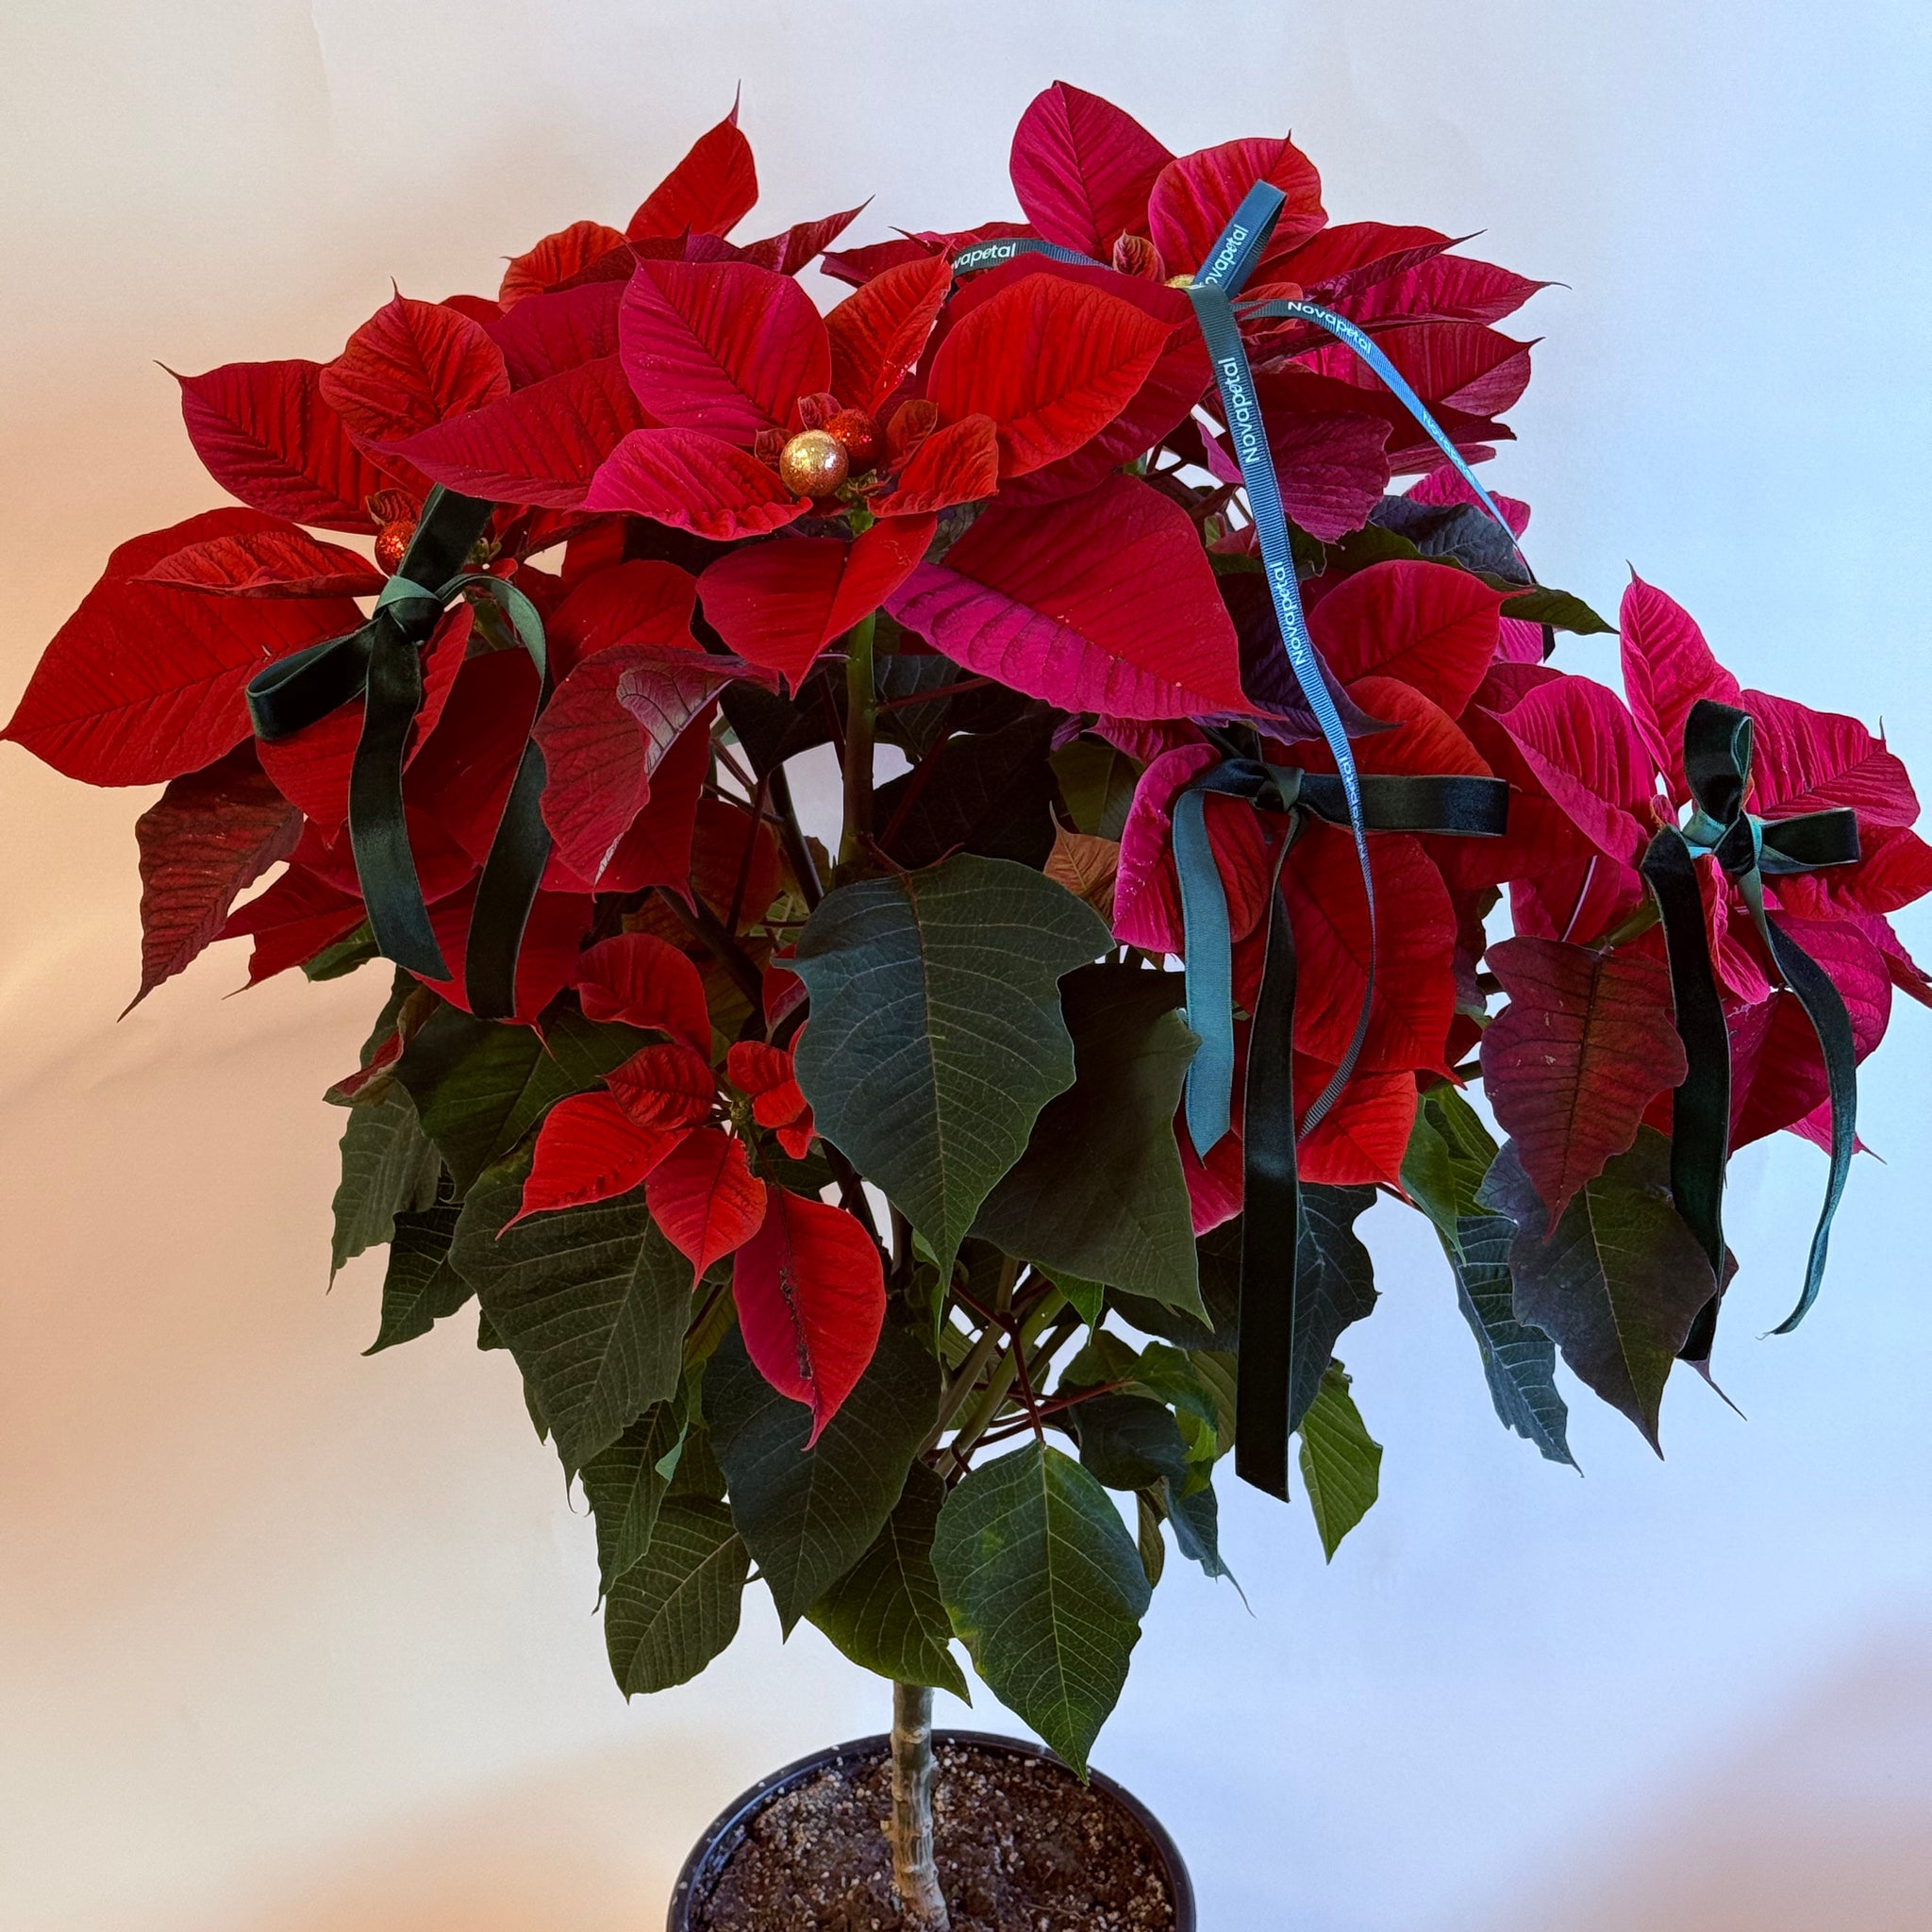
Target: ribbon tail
(378, 833)
(1209, 966)
(1825, 1010)
(506, 893)
(1701, 1108)
(1265, 1409)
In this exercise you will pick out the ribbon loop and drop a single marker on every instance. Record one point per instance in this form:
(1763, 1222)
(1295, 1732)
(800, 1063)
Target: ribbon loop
(381, 661)
(1717, 745)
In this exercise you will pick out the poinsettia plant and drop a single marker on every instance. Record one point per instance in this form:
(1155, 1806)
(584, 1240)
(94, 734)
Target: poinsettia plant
(850, 1207)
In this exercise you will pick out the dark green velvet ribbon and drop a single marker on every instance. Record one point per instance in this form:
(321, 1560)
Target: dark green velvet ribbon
(381, 661)
(1717, 764)
(1271, 1285)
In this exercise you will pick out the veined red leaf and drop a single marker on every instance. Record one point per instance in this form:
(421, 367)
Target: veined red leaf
(264, 433)
(462, 772)
(644, 982)
(1083, 169)
(1335, 262)
(587, 1149)
(541, 444)
(801, 244)
(144, 681)
(694, 482)
(1446, 287)
(276, 563)
(657, 850)
(724, 347)
(1569, 1065)
(706, 1198)
(669, 1086)
(1360, 1141)
(1667, 668)
(769, 1075)
(877, 334)
(1588, 756)
(545, 335)
(779, 604)
(1445, 485)
(1333, 468)
(1434, 628)
(708, 192)
(1807, 760)
(556, 259)
(411, 364)
(642, 602)
(1147, 893)
(1415, 928)
(1193, 197)
(311, 769)
(1777, 1070)
(1051, 361)
(209, 836)
(546, 963)
(605, 730)
(483, 308)
(292, 921)
(723, 873)
(811, 1299)
(1459, 365)
(1425, 742)
(1895, 870)
(1104, 603)
(959, 463)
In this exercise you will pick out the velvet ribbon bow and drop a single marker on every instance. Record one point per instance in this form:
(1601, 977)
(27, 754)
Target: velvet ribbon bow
(381, 661)
(1717, 764)
(1274, 1390)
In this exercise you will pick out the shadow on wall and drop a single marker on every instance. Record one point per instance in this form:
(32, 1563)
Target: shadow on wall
(1815, 1821)
(590, 1844)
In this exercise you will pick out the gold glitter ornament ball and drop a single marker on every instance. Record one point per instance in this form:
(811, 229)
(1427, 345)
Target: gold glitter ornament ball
(813, 463)
(391, 543)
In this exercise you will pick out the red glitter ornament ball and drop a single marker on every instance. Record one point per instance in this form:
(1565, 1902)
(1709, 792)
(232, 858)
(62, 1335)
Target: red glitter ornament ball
(392, 540)
(859, 435)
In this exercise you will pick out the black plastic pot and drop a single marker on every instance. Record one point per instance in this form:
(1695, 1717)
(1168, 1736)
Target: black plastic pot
(726, 1831)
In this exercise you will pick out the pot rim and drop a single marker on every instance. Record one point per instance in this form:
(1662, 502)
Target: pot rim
(725, 1830)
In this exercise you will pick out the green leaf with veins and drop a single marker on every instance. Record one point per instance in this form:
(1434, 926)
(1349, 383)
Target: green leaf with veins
(421, 1285)
(1450, 1151)
(678, 1605)
(625, 1486)
(1097, 784)
(884, 1612)
(593, 1301)
(1099, 1190)
(1341, 1465)
(1046, 1588)
(809, 1515)
(1617, 1283)
(936, 1034)
(1334, 1286)
(389, 1168)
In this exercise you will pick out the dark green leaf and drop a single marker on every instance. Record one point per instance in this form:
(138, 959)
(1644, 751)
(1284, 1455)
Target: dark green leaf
(884, 1612)
(1218, 1256)
(1088, 1299)
(481, 1085)
(990, 793)
(1460, 533)
(625, 1486)
(678, 1607)
(1196, 1518)
(809, 1514)
(916, 728)
(936, 1034)
(1334, 1286)
(1129, 1441)
(593, 1301)
(343, 956)
(1046, 1588)
(1097, 784)
(1100, 1189)
(1341, 1464)
(1449, 1154)
(772, 729)
(1152, 1545)
(420, 1287)
(1619, 1280)
(1559, 609)
(389, 1168)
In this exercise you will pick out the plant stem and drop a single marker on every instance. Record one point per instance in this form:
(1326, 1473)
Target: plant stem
(723, 947)
(915, 1877)
(1006, 1372)
(861, 712)
(792, 838)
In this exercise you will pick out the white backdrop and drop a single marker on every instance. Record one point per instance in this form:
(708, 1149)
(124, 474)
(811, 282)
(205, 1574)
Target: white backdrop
(290, 1640)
